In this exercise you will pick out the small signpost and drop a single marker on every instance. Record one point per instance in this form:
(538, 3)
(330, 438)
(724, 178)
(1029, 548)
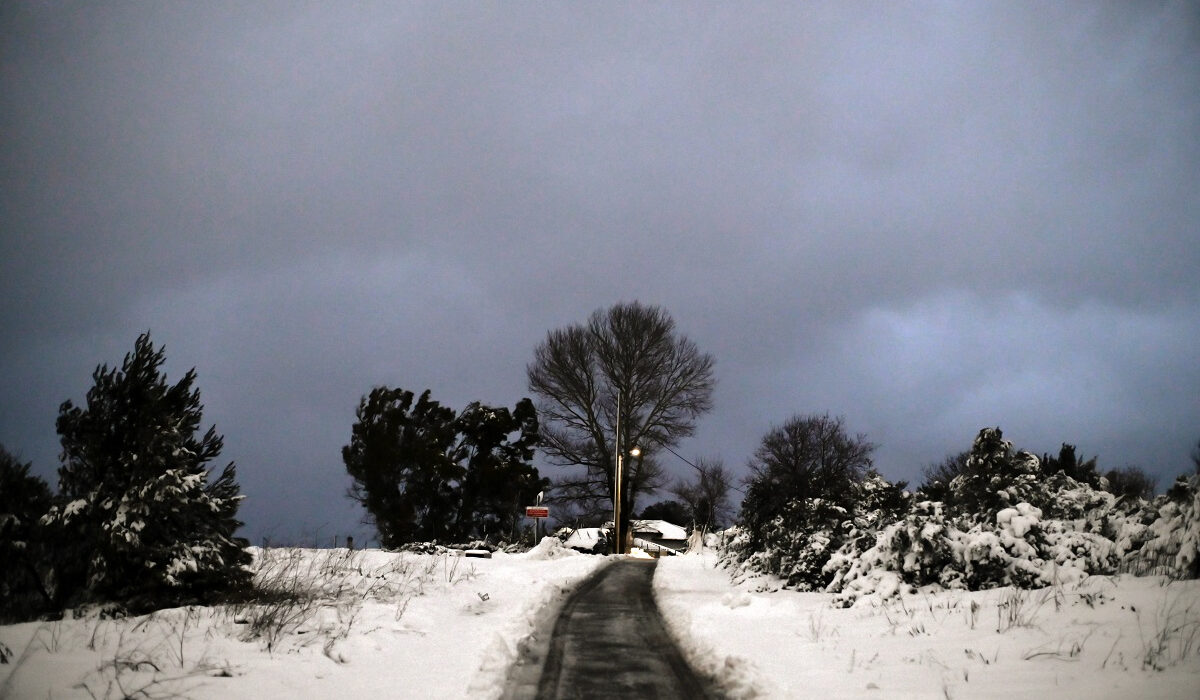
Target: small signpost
(537, 513)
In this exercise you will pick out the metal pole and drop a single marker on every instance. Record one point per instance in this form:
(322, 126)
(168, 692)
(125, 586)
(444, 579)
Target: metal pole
(617, 482)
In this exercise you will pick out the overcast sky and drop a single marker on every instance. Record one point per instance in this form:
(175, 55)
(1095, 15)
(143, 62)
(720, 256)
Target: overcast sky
(925, 217)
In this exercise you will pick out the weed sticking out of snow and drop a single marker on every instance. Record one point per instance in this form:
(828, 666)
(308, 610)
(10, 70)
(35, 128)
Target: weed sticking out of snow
(1170, 634)
(818, 628)
(1019, 608)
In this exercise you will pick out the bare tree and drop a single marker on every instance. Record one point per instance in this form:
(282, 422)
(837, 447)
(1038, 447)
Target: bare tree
(628, 356)
(706, 494)
(1131, 481)
(937, 476)
(806, 457)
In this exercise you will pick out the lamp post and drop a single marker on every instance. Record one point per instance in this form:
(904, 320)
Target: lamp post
(618, 479)
(616, 548)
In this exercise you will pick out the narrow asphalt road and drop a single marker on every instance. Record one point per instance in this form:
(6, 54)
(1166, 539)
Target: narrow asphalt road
(609, 642)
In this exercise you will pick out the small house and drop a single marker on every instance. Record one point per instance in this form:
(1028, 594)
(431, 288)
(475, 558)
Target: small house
(659, 537)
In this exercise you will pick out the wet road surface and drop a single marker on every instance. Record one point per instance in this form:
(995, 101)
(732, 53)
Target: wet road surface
(609, 642)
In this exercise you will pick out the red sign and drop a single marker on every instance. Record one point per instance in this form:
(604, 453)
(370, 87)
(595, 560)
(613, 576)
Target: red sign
(537, 512)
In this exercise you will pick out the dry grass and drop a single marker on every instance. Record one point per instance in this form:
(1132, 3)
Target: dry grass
(1171, 633)
(299, 598)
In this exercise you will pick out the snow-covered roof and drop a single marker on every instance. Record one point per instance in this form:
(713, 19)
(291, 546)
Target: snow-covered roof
(584, 538)
(665, 530)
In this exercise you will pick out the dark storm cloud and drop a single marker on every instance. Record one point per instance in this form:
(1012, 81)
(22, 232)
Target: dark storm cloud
(927, 218)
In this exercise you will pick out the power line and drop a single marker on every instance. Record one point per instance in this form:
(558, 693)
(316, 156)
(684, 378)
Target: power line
(732, 485)
(693, 466)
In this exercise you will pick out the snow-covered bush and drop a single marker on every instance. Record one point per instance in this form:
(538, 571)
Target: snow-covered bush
(995, 478)
(1017, 548)
(1170, 542)
(1186, 493)
(802, 553)
(1018, 545)
(1008, 553)
(795, 545)
(1064, 498)
(1086, 552)
(798, 543)
(1066, 530)
(808, 476)
(1005, 522)
(917, 550)
(878, 502)
(138, 520)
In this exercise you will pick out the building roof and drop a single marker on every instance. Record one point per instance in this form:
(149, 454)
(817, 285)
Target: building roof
(660, 529)
(583, 538)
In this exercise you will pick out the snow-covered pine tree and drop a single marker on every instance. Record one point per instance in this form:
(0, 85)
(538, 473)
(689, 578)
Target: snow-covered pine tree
(995, 477)
(24, 499)
(138, 519)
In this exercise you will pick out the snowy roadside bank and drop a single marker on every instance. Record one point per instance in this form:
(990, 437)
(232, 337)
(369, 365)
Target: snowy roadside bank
(1105, 637)
(380, 624)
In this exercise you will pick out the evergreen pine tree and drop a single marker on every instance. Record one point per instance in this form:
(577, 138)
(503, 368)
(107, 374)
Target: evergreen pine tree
(423, 473)
(400, 459)
(995, 477)
(499, 480)
(24, 499)
(1079, 469)
(138, 519)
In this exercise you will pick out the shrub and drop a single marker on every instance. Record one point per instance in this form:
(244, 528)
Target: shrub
(800, 499)
(1006, 523)
(797, 545)
(917, 550)
(1130, 482)
(994, 478)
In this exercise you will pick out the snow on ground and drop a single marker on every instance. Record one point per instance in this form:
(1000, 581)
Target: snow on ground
(1105, 637)
(373, 624)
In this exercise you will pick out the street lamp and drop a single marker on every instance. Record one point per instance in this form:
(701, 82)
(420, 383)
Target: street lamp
(618, 477)
(634, 451)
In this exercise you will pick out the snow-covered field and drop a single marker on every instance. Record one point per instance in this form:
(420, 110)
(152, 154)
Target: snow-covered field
(377, 624)
(373, 624)
(1105, 637)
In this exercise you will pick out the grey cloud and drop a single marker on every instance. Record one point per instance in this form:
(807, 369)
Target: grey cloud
(306, 200)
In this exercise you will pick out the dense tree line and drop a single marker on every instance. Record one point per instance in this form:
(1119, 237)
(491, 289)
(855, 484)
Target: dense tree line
(142, 518)
(423, 472)
(817, 515)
